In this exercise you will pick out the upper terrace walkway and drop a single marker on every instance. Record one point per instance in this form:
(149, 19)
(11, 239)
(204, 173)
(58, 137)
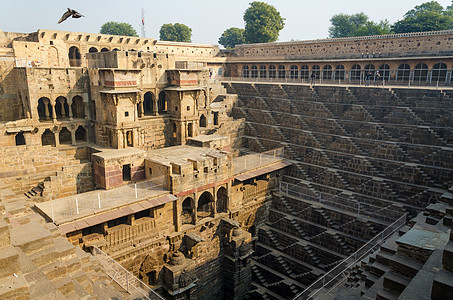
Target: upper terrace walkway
(388, 84)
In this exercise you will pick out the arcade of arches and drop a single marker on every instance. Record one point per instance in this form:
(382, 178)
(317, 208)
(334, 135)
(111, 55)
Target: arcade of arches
(206, 206)
(415, 72)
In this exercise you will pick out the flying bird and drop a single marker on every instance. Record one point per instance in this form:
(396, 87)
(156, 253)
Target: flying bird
(69, 13)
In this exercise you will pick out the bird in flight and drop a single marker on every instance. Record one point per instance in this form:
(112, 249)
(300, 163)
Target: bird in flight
(69, 13)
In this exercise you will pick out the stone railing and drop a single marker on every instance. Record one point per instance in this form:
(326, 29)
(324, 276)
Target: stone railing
(123, 277)
(340, 272)
(348, 81)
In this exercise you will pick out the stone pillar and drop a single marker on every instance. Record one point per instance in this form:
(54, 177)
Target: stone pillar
(135, 113)
(73, 138)
(46, 108)
(70, 109)
(57, 138)
(124, 138)
(54, 115)
(195, 204)
(155, 108)
(63, 112)
(141, 109)
(177, 209)
(214, 209)
(86, 104)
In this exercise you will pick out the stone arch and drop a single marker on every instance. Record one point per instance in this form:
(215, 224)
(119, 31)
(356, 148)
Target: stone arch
(81, 134)
(187, 211)
(61, 107)
(384, 70)
(272, 72)
(148, 104)
(403, 73)
(370, 69)
(439, 72)
(294, 72)
(203, 121)
(263, 72)
(162, 102)
(421, 73)
(74, 57)
(19, 139)
(105, 49)
(356, 72)
(304, 72)
(316, 70)
(254, 71)
(222, 200)
(245, 72)
(44, 109)
(327, 72)
(204, 207)
(78, 107)
(148, 270)
(339, 72)
(281, 71)
(48, 138)
(93, 50)
(65, 136)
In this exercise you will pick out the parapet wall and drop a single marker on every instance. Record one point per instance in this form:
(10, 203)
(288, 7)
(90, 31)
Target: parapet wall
(433, 43)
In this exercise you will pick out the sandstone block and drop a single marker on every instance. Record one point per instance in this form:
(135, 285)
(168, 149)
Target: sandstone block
(9, 261)
(30, 237)
(4, 234)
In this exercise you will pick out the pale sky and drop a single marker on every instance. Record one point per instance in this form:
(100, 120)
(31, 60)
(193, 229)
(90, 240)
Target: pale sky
(208, 18)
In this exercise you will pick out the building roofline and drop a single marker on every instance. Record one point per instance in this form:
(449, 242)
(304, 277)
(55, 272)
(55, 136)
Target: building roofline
(346, 39)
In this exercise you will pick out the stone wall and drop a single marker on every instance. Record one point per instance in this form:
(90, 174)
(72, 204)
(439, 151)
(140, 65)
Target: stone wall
(396, 45)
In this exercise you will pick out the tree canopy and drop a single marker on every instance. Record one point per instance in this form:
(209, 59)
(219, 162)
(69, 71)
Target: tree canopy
(262, 23)
(344, 25)
(428, 16)
(176, 33)
(118, 28)
(231, 37)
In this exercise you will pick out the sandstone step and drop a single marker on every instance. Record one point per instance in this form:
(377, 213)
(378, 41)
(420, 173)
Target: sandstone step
(31, 237)
(9, 262)
(395, 282)
(405, 265)
(44, 256)
(14, 288)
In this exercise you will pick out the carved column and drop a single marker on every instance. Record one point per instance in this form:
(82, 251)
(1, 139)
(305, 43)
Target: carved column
(70, 109)
(54, 115)
(63, 112)
(73, 138)
(141, 109)
(46, 108)
(57, 137)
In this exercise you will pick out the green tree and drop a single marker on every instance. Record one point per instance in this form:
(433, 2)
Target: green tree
(344, 25)
(231, 37)
(428, 16)
(262, 23)
(118, 28)
(176, 33)
(372, 28)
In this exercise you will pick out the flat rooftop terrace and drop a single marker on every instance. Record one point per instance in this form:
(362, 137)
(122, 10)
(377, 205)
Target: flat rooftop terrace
(72, 208)
(182, 154)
